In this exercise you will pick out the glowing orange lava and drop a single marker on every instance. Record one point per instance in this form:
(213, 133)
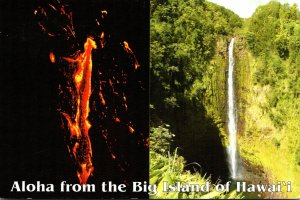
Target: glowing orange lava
(102, 41)
(130, 52)
(52, 57)
(79, 129)
(75, 89)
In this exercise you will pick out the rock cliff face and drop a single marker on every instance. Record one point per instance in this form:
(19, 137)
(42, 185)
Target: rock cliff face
(265, 150)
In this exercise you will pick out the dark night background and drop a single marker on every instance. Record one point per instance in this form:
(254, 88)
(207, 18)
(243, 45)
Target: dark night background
(31, 140)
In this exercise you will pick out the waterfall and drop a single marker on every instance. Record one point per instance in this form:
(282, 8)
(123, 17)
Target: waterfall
(232, 151)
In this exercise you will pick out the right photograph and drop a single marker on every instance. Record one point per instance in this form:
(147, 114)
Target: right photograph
(225, 99)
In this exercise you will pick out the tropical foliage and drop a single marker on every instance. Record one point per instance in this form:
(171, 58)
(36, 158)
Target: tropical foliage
(188, 69)
(272, 125)
(169, 167)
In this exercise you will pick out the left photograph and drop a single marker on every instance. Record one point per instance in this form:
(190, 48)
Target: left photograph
(75, 98)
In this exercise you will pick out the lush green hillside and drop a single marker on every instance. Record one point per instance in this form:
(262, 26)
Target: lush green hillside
(188, 64)
(188, 68)
(270, 128)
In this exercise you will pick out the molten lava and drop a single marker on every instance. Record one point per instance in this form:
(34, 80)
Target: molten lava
(52, 57)
(111, 115)
(79, 128)
(130, 52)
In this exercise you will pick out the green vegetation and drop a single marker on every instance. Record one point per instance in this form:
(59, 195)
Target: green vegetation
(271, 129)
(167, 167)
(188, 63)
(188, 60)
(184, 36)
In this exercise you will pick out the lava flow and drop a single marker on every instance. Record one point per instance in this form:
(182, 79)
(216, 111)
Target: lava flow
(79, 129)
(98, 109)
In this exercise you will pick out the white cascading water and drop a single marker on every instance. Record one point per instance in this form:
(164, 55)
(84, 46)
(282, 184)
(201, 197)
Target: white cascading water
(232, 151)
